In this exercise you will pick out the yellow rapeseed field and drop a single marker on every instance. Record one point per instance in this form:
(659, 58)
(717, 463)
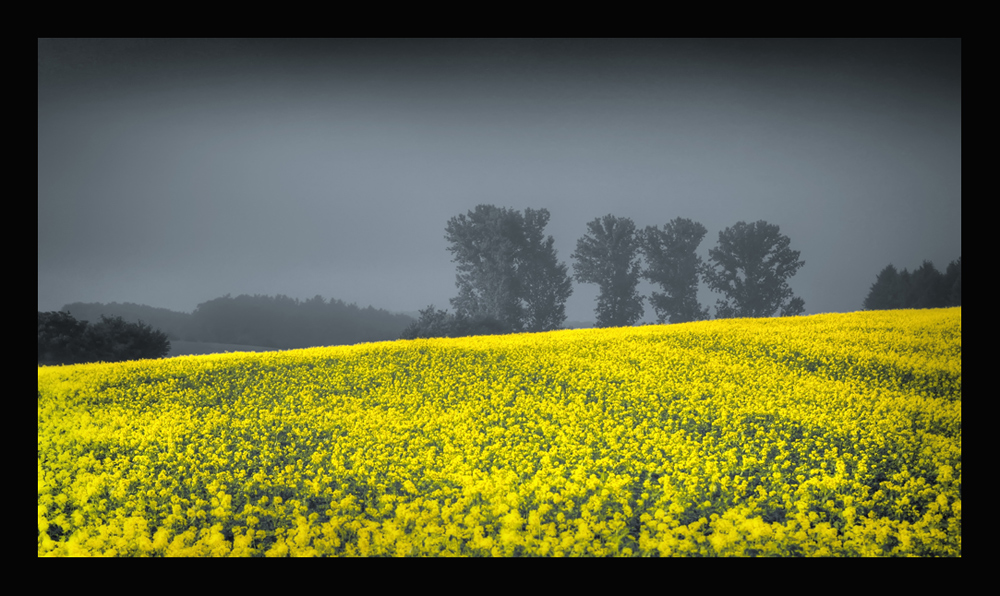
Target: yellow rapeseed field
(826, 435)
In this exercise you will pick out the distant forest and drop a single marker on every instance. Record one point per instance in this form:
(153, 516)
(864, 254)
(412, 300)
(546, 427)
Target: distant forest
(279, 322)
(925, 287)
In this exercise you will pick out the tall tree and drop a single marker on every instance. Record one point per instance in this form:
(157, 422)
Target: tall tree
(507, 269)
(750, 267)
(545, 283)
(484, 246)
(673, 264)
(608, 256)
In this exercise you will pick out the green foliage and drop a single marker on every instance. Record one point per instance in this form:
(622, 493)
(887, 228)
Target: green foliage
(608, 256)
(751, 266)
(673, 264)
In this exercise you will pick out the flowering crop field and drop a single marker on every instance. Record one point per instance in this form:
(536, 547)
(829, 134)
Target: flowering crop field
(825, 435)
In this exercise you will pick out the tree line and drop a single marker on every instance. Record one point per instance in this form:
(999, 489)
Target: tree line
(64, 340)
(287, 323)
(177, 325)
(509, 278)
(926, 287)
(278, 322)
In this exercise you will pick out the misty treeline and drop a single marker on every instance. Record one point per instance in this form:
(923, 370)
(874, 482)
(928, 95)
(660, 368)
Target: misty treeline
(510, 279)
(62, 339)
(277, 322)
(926, 287)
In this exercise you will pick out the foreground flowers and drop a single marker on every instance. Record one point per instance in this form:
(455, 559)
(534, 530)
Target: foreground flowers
(830, 435)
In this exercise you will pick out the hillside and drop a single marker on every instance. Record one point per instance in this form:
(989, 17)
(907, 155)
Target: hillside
(827, 435)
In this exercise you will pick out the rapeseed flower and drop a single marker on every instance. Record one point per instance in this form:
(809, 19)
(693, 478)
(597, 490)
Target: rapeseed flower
(833, 435)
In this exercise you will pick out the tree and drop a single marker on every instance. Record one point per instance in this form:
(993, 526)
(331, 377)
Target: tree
(484, 246)
(432, 323)
(953, 282)
(114, 339)
(546, 283)
(607, 256)
(282, 322)
(885, 293)
(64, 340)
(751, 266)
(904, 289)
(61, 338)
(177, 325)
(673, 264)
(927, 288)
(439, 323)
(507, 269)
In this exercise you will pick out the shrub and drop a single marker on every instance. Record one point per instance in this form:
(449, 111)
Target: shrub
(64, 340)
(438, 323)
(60, 338)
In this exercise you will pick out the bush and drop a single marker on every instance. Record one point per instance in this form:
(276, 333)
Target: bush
(64, 340)
(61, 338)
(438, 323)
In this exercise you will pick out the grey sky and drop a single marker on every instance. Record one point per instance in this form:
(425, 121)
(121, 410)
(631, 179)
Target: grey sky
(171, 172)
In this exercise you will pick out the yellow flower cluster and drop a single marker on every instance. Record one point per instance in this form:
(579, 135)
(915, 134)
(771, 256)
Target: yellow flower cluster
(827, 435)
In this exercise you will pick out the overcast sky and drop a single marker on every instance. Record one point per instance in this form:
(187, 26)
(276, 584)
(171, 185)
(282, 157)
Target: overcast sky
(172, 172)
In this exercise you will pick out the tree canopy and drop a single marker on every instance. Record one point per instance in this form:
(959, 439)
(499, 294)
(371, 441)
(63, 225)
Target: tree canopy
(925, 287)
(546, 284)
(608, 255)
(507, 268)
(671, 262)
(751, 266)
(64, 340)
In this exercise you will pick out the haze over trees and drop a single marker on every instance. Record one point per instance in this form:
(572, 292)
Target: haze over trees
(177, 325)
(751, 266)
(288, 323)
(926, 287)
(278, 322)
(546, 283)
(507, 270)
(609, 256)
(673, 264)
(509, 278)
